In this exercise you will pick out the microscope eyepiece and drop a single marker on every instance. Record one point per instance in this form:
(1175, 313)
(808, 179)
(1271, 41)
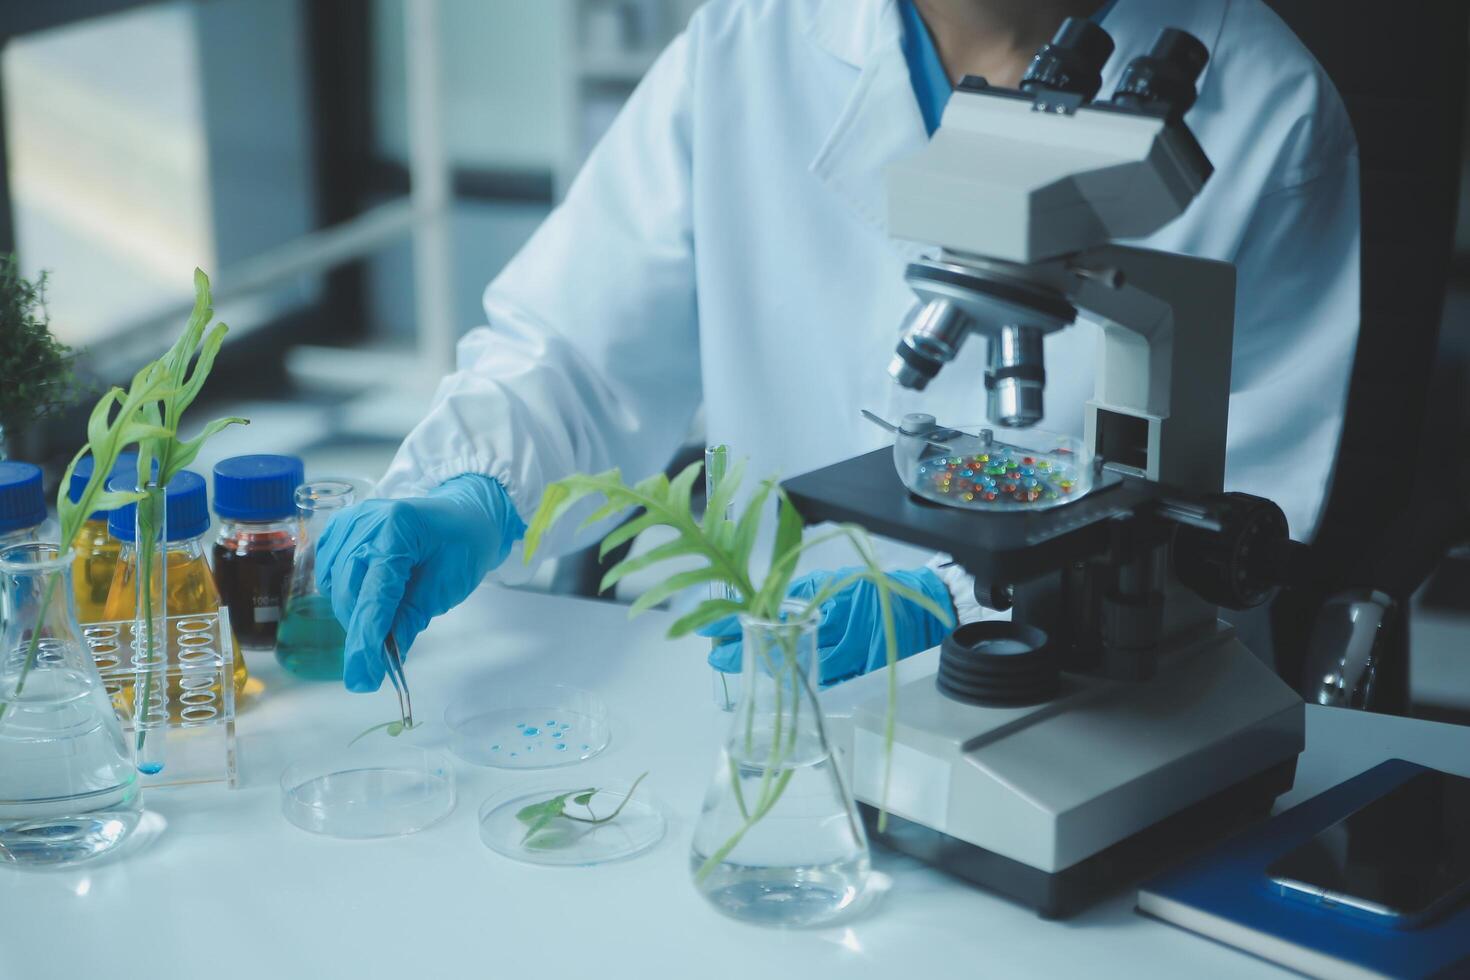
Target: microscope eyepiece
(1072, 61)
(1165, 77)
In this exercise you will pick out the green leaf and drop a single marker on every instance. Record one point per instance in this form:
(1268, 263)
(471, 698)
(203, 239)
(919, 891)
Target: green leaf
(673, 585)
(387, 725)
(676, 548)
(560, 497)
(788, 527)
(681, 487)
(538, 816)
(612, 508)
(553, 838)
(626, 532)
(185, 452)
(113, 499)
(552, 808)
(725, 490)
(655, 487)
(918, 598)
(750, 521)
(189, 389)
(708, 611)
(584, 798)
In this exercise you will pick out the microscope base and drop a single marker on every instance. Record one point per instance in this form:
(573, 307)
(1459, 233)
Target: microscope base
(1061, 894)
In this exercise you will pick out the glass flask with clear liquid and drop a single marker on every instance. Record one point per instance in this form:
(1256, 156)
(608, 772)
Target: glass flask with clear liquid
(779, 841)
(309, 641)
(68, 787)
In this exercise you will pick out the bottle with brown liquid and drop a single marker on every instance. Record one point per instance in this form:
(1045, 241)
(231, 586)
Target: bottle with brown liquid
(255, 542)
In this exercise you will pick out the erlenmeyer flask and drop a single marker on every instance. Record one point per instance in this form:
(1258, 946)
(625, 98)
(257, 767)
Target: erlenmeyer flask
(68, 788)
(779, 841)
(309, 641)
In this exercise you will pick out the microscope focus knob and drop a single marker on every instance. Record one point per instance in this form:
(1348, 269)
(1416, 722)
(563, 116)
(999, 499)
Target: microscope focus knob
(1242, 564)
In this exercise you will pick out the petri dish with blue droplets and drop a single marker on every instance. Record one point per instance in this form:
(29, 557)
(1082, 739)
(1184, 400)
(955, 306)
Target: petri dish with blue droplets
(527, 726)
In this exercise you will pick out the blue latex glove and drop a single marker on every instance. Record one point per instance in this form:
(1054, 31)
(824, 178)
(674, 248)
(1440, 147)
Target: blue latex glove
(850, 632)
(399, 563)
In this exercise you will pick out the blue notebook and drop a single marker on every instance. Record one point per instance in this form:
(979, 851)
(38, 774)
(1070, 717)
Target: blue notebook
(1225, 895)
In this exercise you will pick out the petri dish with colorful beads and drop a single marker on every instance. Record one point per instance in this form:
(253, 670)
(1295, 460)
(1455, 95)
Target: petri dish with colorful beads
(526, 726)
(978, 468)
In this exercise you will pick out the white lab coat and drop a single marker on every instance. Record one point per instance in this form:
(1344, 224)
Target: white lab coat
(725, 246)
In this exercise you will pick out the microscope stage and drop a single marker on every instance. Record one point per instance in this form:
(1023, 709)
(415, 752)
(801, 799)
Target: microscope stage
(1009, 547)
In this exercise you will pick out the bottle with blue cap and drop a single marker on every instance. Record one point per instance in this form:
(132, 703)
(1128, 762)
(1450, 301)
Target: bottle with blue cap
(188, 585)
(255, 543)
(94, 549)
(22, 504)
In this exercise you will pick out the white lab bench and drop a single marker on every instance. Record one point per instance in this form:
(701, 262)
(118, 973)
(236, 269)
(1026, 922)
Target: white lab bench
(219, 885)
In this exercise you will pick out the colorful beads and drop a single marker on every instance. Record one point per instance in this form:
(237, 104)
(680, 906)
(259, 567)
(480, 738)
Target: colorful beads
(1000, 476)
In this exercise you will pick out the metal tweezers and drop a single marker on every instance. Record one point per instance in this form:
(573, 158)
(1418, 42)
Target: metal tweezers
(400, 682)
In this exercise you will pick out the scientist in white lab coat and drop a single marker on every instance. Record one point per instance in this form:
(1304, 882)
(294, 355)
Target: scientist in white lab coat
(725, 246)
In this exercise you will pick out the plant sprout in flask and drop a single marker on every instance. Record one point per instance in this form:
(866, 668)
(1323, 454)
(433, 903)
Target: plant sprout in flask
(779, 841)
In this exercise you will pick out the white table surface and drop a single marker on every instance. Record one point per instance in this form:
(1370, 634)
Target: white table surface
(227, 888)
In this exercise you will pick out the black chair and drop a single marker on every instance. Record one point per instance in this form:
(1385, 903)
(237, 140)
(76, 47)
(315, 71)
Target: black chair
(1401, 70)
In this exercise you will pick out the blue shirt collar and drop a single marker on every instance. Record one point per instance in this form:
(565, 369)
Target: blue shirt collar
(932, 86)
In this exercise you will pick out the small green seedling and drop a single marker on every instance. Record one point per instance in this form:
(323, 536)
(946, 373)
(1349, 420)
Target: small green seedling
(542, 830)
(393, 728)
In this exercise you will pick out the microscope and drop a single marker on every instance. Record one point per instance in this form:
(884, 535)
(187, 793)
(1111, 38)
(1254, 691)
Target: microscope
(1113, 723)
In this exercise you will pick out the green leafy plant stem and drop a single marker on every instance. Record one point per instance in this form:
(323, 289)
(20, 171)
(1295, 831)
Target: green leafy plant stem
(726, 545)
(107, 437)
(393, 728)
(594, 819)
(147, 415)
(151, 608)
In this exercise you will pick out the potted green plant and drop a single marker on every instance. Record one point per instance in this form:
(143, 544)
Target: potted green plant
(36, 377)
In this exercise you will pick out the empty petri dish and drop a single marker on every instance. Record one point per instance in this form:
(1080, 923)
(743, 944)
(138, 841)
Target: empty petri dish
(508, 824)
(531, 726)
(367, 791)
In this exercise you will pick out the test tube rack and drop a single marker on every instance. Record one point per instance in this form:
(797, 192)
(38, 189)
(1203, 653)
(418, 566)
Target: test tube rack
(191, 707)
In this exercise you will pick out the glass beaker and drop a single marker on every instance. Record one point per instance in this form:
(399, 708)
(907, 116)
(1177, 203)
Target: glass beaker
(310, 640)
(68, 788)
(779, 841)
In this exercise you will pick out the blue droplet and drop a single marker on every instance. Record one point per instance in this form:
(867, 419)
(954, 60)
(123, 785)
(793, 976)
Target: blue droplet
(557, 734)
(514, 754)
(494, 748)
(586, 747)
(530, 748)
(520, 724)
(531, 731)
(550, 723)
(561, 747)
(150, 768)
